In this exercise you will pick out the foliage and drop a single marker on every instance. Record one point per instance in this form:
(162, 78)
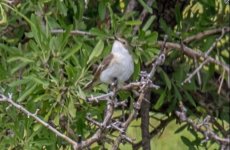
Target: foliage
(47, 71)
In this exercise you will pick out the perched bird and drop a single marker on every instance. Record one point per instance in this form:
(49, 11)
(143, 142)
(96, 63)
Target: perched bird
(116, 67)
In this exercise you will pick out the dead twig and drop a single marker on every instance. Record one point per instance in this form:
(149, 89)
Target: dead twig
(203, 34)
(9, 100)
(203, 127)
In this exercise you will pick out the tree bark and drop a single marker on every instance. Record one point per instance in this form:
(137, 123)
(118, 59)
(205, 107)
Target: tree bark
(145, 122)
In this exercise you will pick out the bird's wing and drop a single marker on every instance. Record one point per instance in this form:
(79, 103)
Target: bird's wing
(105, 63)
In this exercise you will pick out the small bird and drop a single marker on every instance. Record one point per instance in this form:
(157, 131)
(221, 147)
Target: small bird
(116, 67)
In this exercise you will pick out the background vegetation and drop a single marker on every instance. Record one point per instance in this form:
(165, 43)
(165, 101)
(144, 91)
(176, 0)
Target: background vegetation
(45, 69)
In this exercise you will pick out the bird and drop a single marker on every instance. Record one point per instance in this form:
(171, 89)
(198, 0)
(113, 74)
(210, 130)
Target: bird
(117, 67)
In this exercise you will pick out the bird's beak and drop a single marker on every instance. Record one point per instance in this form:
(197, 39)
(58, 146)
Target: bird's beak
(119, 39)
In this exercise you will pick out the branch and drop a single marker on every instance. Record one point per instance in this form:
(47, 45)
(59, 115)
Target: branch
(131, 5)
(100, 133)
(8, 99)
(206, 57)
(201, 35)
(146, 80)
(202, 127)
(155, 131)
(188, 79)
(142, 16)
(100, 97)
(73, 32)
(192, 53)
(78, 32)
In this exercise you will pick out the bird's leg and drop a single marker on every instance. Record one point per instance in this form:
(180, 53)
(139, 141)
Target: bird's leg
(114, 84)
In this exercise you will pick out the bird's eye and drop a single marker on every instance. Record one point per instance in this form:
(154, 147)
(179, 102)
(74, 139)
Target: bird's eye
(124, 42)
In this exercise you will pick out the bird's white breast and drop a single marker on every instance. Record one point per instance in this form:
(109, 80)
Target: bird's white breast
(121, 68)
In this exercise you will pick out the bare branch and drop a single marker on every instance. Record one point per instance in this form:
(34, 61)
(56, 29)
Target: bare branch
(221, 82)
(155, 131)
(206, 56)
(202, 127)
(142, 16)
(73, 32)
(198, 73)
(188, 79)
(192, 53)
(100, 97)
(146, 84)
(131, 5)
(201, 35)
(8, 99)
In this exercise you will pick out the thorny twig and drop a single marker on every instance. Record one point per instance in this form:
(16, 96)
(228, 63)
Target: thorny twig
(9, 100)
(203, 34)
(202, 127)
(194, 54)
(188, 79)
(146, 79)
(143, 16)
(155, 131)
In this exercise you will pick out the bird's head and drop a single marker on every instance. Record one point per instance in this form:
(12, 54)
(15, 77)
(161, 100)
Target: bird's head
(120, 45)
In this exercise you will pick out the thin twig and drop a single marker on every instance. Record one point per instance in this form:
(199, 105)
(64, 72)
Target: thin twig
(78, 32)
(155, 131)
(146, 83)
(201, 35)
(131, 5)
(8, 99)
(198, 73)
(188, 79)
(201, 127)
(143, 16)
(192, 53)
(73, 32)
(206, 57)
(100, 97)
(221, 82)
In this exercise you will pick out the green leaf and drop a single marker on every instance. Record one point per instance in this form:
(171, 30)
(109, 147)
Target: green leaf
(36, 127)
(180, 129)
(111, 16)
(23, 59)
(56, 120)
(146, 7)
(137, 70)
(187, 142)
(37, 80)
(71, 108)
(178, 15)
(64, 39)
(165, 27)
(133, 23)
(72, 51)
(102, 10)
(149, 23)
(98, 32)
(96, 51)
(27, 92)
(81, 93)
(167, 80)
(190, 99)
(172, 106)
(3, 73)
(19, 82)
(160, 101)
(152, 38)
(177, 93)
(18, 67)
